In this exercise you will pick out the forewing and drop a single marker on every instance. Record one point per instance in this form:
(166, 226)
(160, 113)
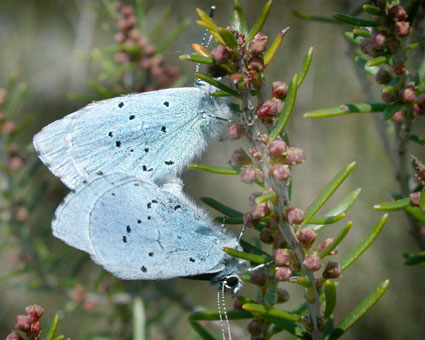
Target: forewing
(151, 135)
(141, 231)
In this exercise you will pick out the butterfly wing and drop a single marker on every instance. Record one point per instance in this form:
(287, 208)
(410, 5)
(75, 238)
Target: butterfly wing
(150, 135)
(137, 230)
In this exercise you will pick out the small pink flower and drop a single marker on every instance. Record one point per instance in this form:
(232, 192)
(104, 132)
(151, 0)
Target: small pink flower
(248, 175)
(279, 89)
(276, 148)
(294, 215)
(312, 262)
(235, 131)
(282, 257)
(283, 274)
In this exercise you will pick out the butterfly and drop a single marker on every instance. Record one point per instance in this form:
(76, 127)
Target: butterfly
(150, 135)
(138, 230)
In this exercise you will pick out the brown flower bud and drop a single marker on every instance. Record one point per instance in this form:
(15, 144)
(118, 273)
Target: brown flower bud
(389, 95)
(394, 44)
(35, 312)
(364, 45)
(220, 54)
(399, 69)
(239, 157)
(248, 175)
(306, 236)
(408, 95)
(379, 40)
(397, 13)
(294, 155)
(258, 278)
(249, 220)
(282, 295)
(397, 117)
(23, 323)
(280, 172)
(279, 89)
(270, 109)
(276, 148)
(255, 327)
(332, 271)
(259, 211)
(266, 236)
(283, 273)
(383, 76)
(279, 240)
(36, 327)
(402, 29)
(415, 198)
(282, 257)
(235, 131)
(312, 262)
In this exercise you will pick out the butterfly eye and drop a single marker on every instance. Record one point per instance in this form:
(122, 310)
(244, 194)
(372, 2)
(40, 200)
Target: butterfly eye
(232, 281)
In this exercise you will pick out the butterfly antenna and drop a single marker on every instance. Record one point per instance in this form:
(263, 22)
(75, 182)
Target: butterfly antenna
(253, 269)
(223, 334)
(206, 38)
(242, 232)
(229, 333)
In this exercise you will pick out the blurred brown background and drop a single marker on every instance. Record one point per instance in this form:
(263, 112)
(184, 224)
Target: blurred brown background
(40, 43)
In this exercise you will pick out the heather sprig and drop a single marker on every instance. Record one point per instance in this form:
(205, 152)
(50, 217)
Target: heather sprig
(288, 233)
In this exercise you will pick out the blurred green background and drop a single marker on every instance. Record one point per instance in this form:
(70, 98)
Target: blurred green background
(42, 43)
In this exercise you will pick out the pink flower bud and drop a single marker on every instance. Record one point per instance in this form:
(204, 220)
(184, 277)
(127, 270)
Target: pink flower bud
(324, 245)
(259, 211)
(8, 127)
(397, 117)
(307, 236)
(21, 214)
(34, 311)
(283, 274)
(266, 236)
(364, 45)
(415, 198)
(23, 323)
(280, 172)
(397, 13)
(332, 271)
(402, 29)
(3, 95)
(399, 69)
(127, 11)
(235, 131)
(408, 95)
(294, 215)
(383, 76)
(270, 109)
(258, 278)
(282, 295)
(379, 40)
(312, 262)
(294, 155)
(249, 220)
(36, 327)
(14, 336)
(248, 175)
(282, 257)
(279, 89)
(276, 148)
(220, 54)
(239, 157)
(15, 163)
(257, 47)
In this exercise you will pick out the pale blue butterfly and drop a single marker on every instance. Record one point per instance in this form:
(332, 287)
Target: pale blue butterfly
(138, 230)
(151, 135)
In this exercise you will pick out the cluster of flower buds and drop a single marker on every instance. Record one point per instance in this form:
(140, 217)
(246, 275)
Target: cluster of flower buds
(282, 259)
(28, 323)
(15, 160)
(138, 49)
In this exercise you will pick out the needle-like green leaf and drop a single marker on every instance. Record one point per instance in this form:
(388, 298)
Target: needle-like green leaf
(336, 241)
(52, 329)
(360, 310)
(232, 315)
(196, 58)
(396, 205)
(364, 244)
(274, 46)
(247, 256)
(263, 311)
(203, 333)
(217, 84)
(214, 169)
(353, 21)
(327, 192)
(224, 209)
(238, 18)
(305, 66)
(346, 109)
(258, 25)
(330, 298)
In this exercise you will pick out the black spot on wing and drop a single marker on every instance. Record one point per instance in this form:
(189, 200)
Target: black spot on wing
(178, 206)
(146, 150)
(164, 129)
(149, 205)
(154, 201)
(139, 221)
(118, 143)
(124, 239)
(167, 104)
(99, 173)
(132, 117)
(143, 269)
(149, 217)
(192, 259)
(169, 162)
(110, 134)
(150, 254)
(128, 229)
(144, 168)
(120, 105)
